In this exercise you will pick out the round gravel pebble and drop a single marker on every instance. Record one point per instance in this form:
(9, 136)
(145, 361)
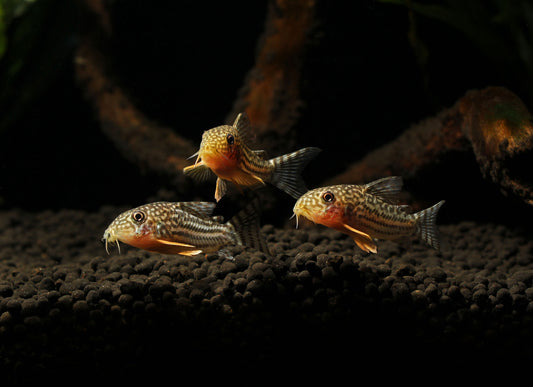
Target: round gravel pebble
(316, 293)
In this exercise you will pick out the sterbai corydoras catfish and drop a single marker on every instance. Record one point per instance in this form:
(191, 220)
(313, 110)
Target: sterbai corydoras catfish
(224, 151)
(367, 212)
(186, 228)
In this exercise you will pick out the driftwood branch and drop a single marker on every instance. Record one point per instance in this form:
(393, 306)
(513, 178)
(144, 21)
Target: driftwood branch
(270, 94)
(493, 123)
(150, 146)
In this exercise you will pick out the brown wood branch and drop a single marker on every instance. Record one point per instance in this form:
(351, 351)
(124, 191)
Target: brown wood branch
(415, 148)
(492, 123)
(271, 93)
(143, 142)
(150, 146)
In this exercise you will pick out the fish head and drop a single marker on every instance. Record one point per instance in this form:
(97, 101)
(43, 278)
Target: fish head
(220, 145)
(325, 205)
(137, 227)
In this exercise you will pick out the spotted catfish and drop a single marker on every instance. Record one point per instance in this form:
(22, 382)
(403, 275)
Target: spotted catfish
(185, 228)
(367, 212)
(224, 151)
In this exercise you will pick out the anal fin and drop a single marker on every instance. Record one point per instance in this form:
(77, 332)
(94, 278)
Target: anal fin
(241, 176)
(247, 179)
(367, 245)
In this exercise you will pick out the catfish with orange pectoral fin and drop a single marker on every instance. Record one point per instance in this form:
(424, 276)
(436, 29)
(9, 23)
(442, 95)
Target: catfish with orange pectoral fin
(185, 228)
(224, 151)
(366, 212)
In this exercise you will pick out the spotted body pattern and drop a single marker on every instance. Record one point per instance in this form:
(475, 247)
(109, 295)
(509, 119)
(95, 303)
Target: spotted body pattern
(185, 228)
(224, 152)
(367, 212)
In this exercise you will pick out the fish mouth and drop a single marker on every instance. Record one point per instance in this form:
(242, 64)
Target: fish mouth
(213, 153)
(110, 237)
(208, 153)
(294, 216)
(300, 211)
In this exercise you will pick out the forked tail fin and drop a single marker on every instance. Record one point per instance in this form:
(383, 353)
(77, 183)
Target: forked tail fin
(288, 169)
(426, 225)
(248, 228)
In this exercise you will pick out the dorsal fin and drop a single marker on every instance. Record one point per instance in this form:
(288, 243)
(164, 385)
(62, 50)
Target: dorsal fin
(242, 124)
(387, 188)
(199, 209)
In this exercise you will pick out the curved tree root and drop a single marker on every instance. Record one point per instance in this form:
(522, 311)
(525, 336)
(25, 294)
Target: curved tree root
(150, 146)
(270, 94)
(493, 123)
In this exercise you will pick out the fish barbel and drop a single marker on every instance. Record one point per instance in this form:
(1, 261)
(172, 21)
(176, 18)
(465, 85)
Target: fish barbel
(366, 212)
(224, 152)
(185, 228)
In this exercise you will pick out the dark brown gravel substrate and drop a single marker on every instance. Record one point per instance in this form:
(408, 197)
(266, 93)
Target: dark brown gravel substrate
(317, 309)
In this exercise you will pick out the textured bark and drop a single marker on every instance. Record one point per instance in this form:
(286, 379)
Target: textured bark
(150, 146)
(270, 94)
(499, 127)
(493, 123)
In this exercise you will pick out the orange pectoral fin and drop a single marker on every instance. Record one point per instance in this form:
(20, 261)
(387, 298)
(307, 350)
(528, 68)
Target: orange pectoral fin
(162, 241)
(195, 165)
(363, 240)
(182, 245)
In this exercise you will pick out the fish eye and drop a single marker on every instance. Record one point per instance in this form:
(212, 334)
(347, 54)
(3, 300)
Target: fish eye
(230, 139)
(138, 216)
(328, 197)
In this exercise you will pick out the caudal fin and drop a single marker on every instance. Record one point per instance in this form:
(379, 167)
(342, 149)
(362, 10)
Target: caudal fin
(248, 228)
(426, 226)
(288, 169)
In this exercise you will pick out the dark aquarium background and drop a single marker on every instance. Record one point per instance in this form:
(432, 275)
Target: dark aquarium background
(367, 71)
(103, 101)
